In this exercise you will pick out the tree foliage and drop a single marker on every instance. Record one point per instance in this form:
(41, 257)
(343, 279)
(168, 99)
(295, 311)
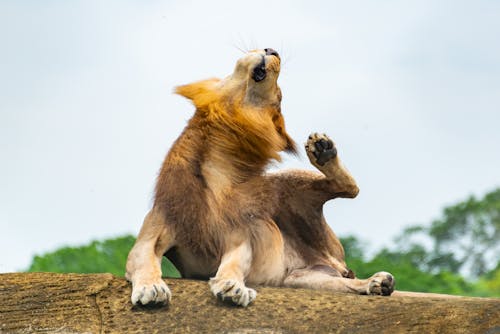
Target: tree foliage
(466, 239)
(433, 258)
(109, 256)
(408, 276)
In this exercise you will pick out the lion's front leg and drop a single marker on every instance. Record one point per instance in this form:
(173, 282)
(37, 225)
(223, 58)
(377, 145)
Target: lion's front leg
(323, 155)
(229, 282)
(144, 261)
(381, 283)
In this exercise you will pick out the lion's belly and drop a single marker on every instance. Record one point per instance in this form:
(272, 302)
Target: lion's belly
(192, 265)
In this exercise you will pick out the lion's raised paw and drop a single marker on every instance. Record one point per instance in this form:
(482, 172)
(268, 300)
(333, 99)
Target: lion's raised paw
(320, 149)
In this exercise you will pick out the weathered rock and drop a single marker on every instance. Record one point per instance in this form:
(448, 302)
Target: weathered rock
(99, 303)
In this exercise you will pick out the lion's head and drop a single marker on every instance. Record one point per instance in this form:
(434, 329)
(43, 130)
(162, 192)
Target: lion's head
(253, 83)
(257, 75)
(250, 94)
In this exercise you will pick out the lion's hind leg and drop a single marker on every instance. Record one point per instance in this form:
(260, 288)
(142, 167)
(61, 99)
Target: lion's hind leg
(144, 261)
(381, 283)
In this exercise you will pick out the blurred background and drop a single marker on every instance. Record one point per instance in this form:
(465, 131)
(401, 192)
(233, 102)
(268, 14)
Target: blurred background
(410, 92)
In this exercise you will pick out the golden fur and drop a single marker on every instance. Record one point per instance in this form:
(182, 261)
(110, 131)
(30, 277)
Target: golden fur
(218, 215)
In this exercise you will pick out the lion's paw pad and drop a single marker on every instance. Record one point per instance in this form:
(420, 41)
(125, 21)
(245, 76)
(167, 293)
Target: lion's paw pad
(151, 293)
(232, 291)
(381, 283)
(321, 148)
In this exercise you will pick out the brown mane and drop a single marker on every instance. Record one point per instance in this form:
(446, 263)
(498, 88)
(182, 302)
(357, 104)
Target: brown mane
(221, 127)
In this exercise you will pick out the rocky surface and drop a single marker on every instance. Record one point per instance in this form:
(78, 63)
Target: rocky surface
(99, 303)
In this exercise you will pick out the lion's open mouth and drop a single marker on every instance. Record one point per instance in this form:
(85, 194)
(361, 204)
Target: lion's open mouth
(259, 72)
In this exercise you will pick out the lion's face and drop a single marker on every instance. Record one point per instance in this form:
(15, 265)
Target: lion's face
(256, 75)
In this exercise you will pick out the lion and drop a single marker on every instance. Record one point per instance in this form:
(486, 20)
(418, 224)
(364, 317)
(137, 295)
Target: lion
(219, 216)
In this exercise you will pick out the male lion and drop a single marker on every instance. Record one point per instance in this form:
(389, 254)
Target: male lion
(218, 216)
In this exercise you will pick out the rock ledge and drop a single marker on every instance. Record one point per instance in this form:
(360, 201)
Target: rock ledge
(99, 303)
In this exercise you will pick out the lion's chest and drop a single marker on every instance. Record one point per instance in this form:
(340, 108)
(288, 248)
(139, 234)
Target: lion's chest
(218, 177)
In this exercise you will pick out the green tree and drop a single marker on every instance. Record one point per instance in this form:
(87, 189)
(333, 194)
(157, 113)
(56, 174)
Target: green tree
(403, 266)
(465, 239)
(488, 285)
(107, 256)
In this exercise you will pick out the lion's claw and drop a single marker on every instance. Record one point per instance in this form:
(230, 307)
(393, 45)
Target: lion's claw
(151, 293)
(232, 291)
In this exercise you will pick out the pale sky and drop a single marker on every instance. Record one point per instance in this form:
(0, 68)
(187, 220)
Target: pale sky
(409, 90)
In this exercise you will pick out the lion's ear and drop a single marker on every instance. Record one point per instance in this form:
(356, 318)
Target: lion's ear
(201, 93)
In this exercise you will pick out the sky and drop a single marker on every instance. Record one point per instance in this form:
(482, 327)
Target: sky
(408, 90)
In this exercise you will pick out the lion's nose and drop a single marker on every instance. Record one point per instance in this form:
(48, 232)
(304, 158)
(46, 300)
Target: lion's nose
(271, 52)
